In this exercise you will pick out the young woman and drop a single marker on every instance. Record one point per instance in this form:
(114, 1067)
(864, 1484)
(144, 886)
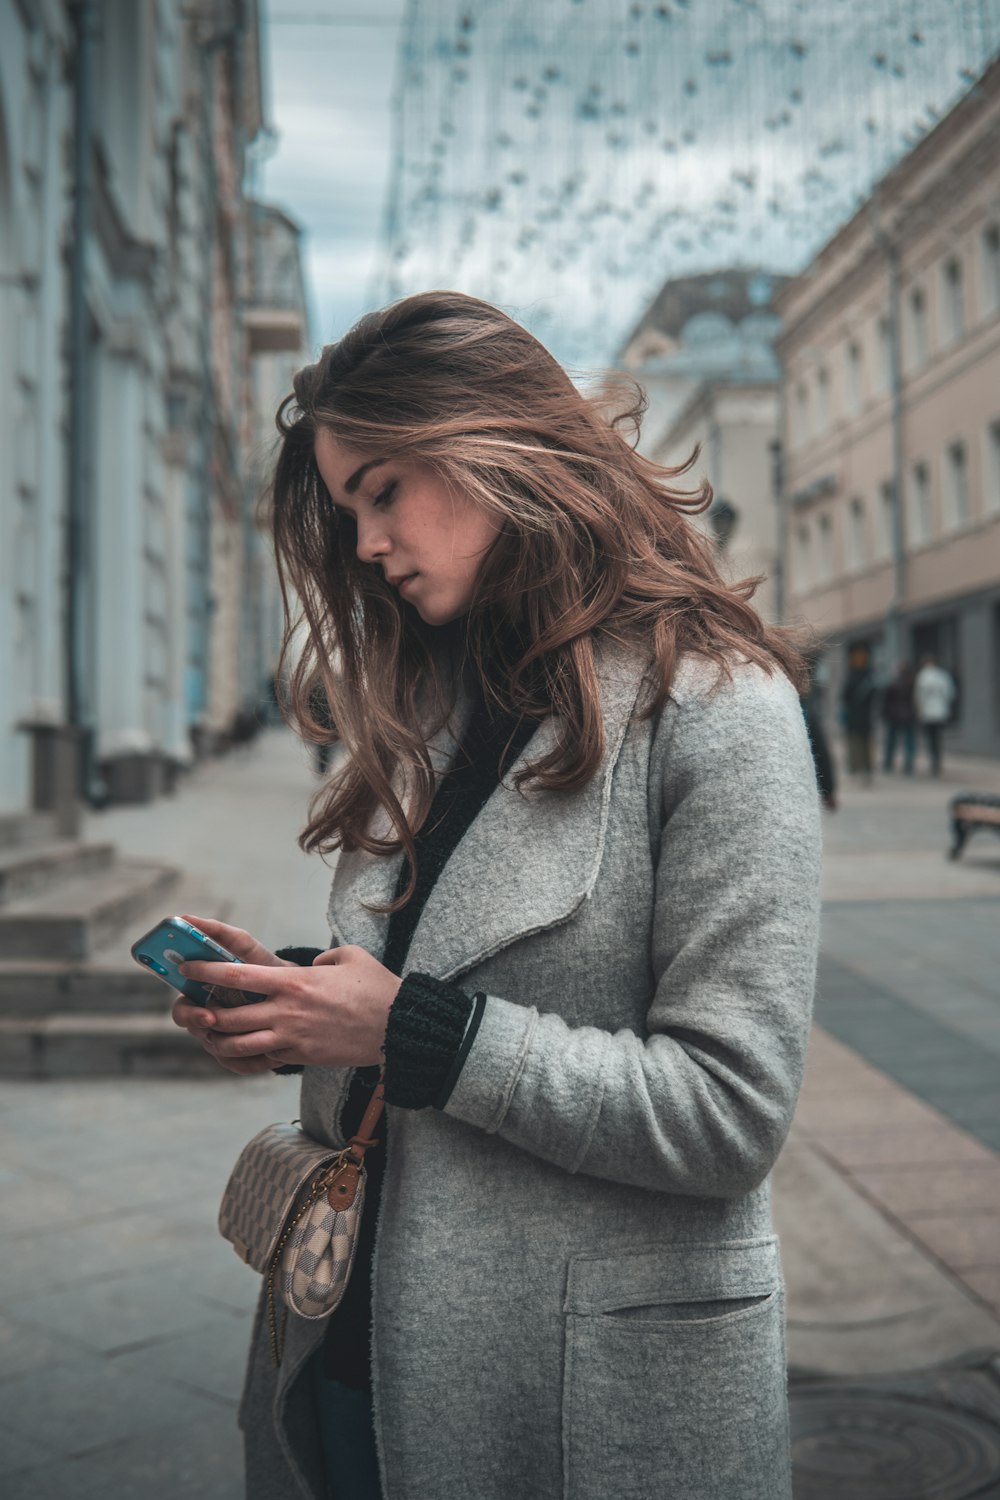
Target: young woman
(575, 916)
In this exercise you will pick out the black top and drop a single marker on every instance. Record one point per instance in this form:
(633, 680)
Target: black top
(429, 1028)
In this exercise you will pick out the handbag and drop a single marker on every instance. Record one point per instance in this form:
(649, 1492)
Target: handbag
(292, 1210)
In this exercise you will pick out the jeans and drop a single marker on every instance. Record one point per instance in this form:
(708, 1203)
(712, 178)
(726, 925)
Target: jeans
(348, 1438)
(933, 734)
(894, 733)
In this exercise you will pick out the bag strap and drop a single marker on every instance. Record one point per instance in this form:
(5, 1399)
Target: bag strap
(359, 1143)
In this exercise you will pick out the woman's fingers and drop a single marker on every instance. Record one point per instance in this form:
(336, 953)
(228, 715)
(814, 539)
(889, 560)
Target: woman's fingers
(243, 944)
(192, 1017)
(261, 979)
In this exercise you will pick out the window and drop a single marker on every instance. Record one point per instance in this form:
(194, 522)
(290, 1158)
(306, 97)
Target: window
(803, 558)
(991, 494)
(991, 268)
(918, 328)
(825, 557)
(856, 549)
(920, 503)
(953, 299)
(886, 518)
(802, 412)
(822, 401)
(884, 355)
(957, 469)
(855, 377)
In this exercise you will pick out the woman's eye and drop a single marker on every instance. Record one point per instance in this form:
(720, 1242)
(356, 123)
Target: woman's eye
(384, 496)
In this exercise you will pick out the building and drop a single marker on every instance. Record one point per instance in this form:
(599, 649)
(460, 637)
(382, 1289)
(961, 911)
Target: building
(891, 401)
(704, 354)
(278, 328)
(127, 340)
(35, 128)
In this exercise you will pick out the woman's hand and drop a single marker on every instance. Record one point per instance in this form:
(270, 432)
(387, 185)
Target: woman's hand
(333, 1014)
(197, 1019)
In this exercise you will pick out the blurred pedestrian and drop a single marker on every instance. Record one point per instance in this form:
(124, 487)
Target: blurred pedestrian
(899, 715)
(826, 777)
(934, 697)
(857, 701)
(322, 728)
(812, 713)
(590, 1016)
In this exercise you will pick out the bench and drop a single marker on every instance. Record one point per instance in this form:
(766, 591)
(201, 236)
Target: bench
(969, 811)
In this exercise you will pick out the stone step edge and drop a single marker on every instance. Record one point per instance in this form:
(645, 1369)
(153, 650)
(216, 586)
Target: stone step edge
(89, 1046)
(28, 871)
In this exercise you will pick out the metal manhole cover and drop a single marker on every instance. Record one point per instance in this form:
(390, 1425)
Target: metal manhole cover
(864, 1445)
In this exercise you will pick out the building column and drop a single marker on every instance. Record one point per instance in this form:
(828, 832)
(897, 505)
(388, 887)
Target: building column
(176, 740)
(123, 749)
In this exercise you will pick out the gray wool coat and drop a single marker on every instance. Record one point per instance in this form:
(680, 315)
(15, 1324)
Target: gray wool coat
(577, 1291)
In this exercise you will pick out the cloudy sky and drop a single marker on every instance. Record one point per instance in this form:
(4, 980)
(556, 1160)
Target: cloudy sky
(563, 158)
(330, 67)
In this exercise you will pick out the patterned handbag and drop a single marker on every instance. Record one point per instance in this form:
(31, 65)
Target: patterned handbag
(292, 1210)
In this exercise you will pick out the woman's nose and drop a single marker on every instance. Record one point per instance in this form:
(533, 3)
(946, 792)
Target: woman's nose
(372, 541)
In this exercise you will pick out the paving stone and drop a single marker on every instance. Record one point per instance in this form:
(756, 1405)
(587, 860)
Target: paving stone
(18, 1452)
(204, 1462)
(985, 1281)
(76, 1406)
(965, 1188)
(894, 1109)
(122, 1310)
(921, 1148)
(24, 1348)
(91, 1252)
(961, 1240)
(210, 1357)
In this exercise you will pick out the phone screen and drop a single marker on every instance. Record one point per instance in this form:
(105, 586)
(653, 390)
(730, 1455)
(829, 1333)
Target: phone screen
(173, 942)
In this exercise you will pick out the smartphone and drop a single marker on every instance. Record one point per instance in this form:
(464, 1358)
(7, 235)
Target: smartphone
(172, 942)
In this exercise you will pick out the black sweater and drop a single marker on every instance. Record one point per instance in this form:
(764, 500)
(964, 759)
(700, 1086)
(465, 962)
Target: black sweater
(431, 1025)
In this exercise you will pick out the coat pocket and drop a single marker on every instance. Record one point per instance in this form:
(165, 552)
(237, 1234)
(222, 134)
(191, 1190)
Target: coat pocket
(674, 1376)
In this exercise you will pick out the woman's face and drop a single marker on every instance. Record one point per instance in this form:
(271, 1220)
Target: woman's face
(427, 538)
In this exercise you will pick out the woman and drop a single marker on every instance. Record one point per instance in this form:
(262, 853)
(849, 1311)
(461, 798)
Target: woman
(589, 977)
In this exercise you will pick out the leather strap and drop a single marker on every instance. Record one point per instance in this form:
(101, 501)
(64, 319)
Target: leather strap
(359, 1143)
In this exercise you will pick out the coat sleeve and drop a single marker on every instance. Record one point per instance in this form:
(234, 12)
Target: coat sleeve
(702, 1102)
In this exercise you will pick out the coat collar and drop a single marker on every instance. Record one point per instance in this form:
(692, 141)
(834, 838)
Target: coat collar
(525, 864)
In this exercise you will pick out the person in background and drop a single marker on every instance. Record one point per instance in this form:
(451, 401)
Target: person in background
(934, 698)
(857, 701)
(900, 718)
(812, 712)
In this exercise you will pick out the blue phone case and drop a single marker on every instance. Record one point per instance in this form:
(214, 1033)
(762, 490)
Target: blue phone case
(174, 941)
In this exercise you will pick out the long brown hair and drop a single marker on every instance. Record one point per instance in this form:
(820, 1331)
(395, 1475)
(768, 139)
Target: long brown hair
(593, 541)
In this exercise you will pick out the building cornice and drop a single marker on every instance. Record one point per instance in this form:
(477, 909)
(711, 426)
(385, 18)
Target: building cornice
(704, 396)
(903, 222)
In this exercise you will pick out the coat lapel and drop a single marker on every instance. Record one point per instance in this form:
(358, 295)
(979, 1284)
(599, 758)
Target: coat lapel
(525, 864)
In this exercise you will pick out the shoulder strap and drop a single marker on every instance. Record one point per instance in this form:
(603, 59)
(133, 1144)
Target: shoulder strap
(359, 1143)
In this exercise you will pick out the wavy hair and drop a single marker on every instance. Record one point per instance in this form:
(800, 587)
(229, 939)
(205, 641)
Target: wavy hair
(593, 540)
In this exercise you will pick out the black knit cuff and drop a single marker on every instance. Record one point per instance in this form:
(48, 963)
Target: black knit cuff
(423, 1037)
(303, 957)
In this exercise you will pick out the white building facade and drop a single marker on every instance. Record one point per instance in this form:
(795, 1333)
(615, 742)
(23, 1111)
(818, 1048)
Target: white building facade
(128, 414)
(704, 354)
(891, 352)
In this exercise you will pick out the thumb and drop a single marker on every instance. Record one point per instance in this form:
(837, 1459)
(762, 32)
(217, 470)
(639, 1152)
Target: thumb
(331, 956)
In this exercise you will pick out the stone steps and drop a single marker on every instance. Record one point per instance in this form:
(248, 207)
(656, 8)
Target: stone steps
(19, 829)
(100, 1046)
(75, 918)
(28, 868)
(101, 1015)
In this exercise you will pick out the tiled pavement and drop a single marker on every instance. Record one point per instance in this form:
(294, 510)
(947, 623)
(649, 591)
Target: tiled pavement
(124, 1317)
(899, 1122)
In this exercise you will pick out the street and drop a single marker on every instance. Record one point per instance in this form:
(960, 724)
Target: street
(124, 1316)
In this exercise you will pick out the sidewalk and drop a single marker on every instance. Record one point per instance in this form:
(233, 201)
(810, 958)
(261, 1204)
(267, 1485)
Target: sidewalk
(124, 1317)
(888, 1192)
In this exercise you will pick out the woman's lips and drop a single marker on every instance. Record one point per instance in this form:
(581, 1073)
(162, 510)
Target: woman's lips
(404, 583)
